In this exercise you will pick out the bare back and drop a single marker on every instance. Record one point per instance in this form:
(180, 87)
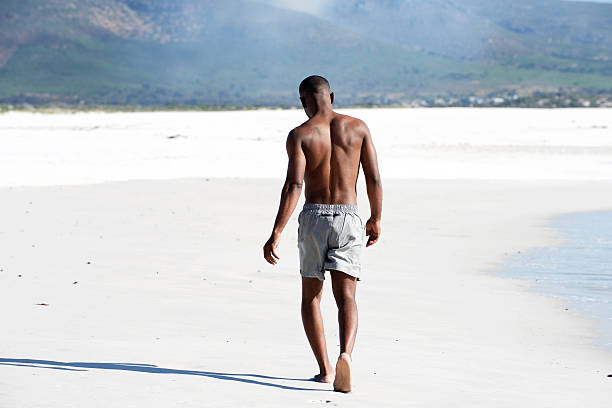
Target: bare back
(332, 147)
(325, 153)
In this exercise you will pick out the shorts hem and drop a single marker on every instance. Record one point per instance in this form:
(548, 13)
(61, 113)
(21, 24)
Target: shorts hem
(352, 270)
(319, 275)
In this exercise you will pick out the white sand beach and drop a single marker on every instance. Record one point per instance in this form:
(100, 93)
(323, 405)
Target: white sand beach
(131, 272)
(461, 143)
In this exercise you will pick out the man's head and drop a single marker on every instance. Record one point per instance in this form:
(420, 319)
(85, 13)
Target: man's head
(315, 94)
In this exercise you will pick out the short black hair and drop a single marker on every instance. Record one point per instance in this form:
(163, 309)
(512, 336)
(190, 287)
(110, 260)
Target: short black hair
(315, 84)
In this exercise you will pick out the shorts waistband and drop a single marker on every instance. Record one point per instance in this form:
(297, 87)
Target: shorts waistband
(330, 207)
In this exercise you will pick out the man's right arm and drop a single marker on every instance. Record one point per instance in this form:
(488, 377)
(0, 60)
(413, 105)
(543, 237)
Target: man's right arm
(290, 194)
(369, 162)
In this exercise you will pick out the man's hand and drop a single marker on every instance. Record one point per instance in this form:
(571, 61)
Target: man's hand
(372, 231)
(269, 247)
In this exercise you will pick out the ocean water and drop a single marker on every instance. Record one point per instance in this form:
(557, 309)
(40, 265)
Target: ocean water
(579, 271)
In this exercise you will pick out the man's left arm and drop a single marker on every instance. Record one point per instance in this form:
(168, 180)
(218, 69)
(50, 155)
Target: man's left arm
(290, 195)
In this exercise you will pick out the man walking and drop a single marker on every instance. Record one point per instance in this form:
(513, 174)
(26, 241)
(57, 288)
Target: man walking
(325, 153)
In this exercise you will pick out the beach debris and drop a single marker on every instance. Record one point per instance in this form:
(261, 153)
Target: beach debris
(75, 282)
(42, 304)
(250, 280)
(19, 276)
(176, 136)
(88, 262)
(609, 375)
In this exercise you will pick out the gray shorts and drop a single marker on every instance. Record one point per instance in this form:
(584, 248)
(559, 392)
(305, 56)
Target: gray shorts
(330, 237)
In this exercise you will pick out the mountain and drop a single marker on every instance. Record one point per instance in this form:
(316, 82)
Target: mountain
(495, 31)
(246, 52)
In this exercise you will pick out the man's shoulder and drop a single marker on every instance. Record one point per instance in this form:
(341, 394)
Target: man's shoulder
(297, 135)
(304, 130)
(299, 131)
(344, 121)
(347, 120)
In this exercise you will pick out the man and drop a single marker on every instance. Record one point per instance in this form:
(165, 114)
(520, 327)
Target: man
(325, 152)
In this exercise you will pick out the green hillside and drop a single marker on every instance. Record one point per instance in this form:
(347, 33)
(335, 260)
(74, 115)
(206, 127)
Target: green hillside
(244, 52)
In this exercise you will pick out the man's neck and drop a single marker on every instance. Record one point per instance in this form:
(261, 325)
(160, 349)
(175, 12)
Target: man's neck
(323, 111)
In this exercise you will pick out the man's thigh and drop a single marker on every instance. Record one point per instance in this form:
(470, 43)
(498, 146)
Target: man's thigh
(311, 288)
(343, 285)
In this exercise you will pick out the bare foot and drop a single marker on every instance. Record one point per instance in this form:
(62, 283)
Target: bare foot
(323, 378)
(342, 383)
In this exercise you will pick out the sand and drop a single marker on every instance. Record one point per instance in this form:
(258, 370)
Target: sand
(131, 268)
(493, 144)
(156, 295)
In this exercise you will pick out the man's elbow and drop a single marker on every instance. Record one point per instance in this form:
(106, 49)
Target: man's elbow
(291, 186)
(374, 182)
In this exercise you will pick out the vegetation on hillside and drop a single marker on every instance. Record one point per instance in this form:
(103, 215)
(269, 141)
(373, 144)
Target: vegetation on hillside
(246, 53)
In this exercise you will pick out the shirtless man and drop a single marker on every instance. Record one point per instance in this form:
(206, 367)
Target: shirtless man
(325, 152)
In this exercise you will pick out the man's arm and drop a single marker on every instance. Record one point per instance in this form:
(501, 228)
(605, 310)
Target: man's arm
(369, 163)
(290, 194)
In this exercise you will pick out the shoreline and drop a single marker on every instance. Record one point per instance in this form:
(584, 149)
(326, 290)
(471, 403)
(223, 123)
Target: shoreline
(570, 271)
(165, 259)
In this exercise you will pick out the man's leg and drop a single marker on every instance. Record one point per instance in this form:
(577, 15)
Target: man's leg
(312, 289)
(344, 287)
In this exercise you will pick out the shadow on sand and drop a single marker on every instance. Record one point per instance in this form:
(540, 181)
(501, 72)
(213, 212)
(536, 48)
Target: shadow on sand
(149, 368)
